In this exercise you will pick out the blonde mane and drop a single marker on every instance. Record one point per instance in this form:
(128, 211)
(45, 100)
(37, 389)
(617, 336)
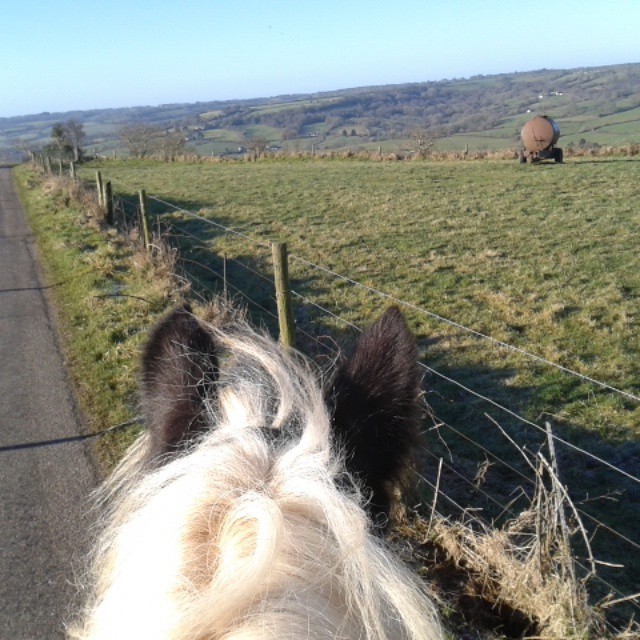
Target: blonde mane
(252, 528)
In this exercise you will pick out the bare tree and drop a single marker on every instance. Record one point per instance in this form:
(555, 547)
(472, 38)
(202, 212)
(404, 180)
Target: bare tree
(425, 140)
(140, 139)
(59, 144)
(257, 146)
(66, 140)
(172, 144)
(75, 136)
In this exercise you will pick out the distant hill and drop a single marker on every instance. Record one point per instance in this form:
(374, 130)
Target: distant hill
(593, 106)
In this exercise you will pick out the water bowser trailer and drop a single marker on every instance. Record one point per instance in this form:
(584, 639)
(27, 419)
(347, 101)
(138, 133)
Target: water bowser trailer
(539, 137)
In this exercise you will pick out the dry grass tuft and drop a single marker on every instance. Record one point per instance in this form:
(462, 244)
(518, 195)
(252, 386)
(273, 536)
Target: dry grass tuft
(508, 569)
(72, 193)
(517, 581)
(521, 578)
(157, 267)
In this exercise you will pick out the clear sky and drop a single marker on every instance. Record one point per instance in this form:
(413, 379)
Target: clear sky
(84, 54)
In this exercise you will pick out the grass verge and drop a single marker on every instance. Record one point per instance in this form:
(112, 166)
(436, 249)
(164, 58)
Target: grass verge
(106, 293)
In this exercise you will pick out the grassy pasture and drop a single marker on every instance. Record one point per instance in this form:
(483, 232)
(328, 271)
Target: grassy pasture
(543, 258)
(540, 257)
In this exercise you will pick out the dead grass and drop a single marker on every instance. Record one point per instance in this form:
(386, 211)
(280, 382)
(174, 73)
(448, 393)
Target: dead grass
(518, 580)
(521, 578)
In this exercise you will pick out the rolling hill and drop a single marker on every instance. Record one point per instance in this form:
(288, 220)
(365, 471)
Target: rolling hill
(593, 106)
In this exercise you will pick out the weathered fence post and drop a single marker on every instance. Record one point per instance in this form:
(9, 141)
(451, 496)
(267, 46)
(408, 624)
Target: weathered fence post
(47, 164)
(283, 293)
(225, 292)
(108, 202)
(60, 167)
(72, 169)
(99, 188)
(144, 219)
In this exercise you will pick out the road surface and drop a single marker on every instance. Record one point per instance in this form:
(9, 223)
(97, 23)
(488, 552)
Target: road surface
(43, 492)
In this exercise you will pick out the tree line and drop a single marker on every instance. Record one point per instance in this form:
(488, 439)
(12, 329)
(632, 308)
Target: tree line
(140, 140)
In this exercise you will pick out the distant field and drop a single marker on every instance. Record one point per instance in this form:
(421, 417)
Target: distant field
(484, 113)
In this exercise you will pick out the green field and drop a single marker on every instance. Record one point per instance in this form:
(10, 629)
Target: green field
(543, 258)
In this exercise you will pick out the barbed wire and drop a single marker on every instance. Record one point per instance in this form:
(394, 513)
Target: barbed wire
(255, 303)
(528, 422)
(474, 332)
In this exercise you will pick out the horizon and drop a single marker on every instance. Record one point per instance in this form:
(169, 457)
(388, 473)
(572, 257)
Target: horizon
(312, 93)
(152, 55)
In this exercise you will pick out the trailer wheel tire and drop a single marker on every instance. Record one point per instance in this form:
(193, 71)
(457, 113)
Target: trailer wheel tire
(522, 157)
(558, 156)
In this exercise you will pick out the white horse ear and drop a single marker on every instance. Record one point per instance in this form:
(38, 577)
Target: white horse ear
(376, 411)
(179, 370)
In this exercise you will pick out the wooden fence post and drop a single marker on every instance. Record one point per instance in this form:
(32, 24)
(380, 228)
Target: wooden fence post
(99, 188)
(60, 167)
(283, 293)
(47, 164)
(72, 170)
(144, 219)
(225, 292)
(108, 202)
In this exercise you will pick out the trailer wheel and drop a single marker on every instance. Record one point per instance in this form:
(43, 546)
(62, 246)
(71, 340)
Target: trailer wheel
(558, 156)
(522, 157)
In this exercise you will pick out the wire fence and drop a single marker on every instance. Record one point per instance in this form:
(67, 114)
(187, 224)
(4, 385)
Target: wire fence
(470, 468)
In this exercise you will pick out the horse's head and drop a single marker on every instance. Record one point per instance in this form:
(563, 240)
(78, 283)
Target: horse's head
(242, 512)
(373, 398)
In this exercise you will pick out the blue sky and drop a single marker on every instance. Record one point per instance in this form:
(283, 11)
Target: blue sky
(84, 54)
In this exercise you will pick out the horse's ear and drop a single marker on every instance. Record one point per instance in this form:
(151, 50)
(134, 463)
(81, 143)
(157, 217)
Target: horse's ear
(375, 397)
(179, 370)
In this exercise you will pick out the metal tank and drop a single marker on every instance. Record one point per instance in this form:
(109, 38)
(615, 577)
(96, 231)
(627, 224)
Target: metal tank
(539, 136)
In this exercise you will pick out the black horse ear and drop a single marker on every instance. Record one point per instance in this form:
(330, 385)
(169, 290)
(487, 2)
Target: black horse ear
(179, 370)
(375, 398)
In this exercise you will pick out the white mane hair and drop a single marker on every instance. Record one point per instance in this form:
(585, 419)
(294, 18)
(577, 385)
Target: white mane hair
(236, 515)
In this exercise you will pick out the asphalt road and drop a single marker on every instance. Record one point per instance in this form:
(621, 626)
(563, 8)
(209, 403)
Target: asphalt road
(43, 492)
